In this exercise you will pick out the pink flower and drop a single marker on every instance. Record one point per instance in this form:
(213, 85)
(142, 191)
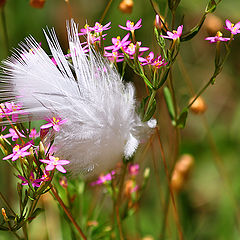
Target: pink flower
(131, 49)
(217, 38)
(150, 60)
(18, 152)
(99, 28)
(130, 25)
(55, 162)
(13, 109)
(33, 133)
(133, 169)
(175, 34)
(45, 177)
(54, 122)
(118, 43)
(114, 56)
(104, 178)
(84, 30)
(13, 133)
(34, 182)
(234, 29)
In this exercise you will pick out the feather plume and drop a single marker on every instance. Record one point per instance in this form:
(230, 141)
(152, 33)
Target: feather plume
(102, 125)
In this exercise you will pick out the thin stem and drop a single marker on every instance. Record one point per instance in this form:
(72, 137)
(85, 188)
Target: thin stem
(5, 29)
(69, 215)
(69, 8)
(105, 11)
(180, 234)
(8, 206)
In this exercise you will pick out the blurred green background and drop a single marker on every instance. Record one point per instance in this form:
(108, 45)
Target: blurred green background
(209, 203)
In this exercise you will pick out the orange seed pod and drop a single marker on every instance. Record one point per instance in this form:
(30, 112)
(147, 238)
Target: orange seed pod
(126, 6)
(37, 3)
(199, 106)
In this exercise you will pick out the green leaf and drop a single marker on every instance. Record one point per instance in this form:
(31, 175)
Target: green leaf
(150, 111)
(169, 102)
(181, 121)
(211, 6)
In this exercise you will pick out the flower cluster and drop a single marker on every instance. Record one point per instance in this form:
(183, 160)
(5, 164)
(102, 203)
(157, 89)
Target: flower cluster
(11, 109)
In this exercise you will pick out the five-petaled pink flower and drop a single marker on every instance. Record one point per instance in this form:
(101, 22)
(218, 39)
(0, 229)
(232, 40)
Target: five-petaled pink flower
(118, 43)
(150, 60)
(174, 34)
(54, 122)
(130, 25)
(18, 152)
(14, 134)
(55, 162)
(34, 182)
(33, 133)
(131, 49)
(13, 109)
(217, 38)
(98, 27)
(104, 178)
(114, 56)
(234, 29)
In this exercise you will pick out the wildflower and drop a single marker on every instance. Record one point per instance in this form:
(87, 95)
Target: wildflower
(13, 109)
(84, 30)
(118, 43)
(102, 124)
(14, 134)
(45, 177)
(104, 178)
(234, 29)
(55, 162)
(33, 181)
(150, 60)
(63, 182)
(33, 133)
(217, 38)
(53, 122)
(130, 25)
(18, 152)
(175, 34)
(131, 49)
(126, 6)
(98, 27)
(158, 23)
(133, 169)
(114, 56)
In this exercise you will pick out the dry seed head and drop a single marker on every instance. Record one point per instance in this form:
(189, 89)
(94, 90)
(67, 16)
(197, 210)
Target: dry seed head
(181, 171)
(213, 24)
(37, 3)
(199, 106)
(126, 6)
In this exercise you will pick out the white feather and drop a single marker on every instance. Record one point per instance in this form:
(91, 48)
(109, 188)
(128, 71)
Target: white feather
(102, 124)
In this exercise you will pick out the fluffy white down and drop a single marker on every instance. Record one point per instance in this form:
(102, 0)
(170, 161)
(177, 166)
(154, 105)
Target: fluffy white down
(102, 124)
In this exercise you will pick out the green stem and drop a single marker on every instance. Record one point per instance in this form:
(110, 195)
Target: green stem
(8, 206)
(105, 11)
(5, 29)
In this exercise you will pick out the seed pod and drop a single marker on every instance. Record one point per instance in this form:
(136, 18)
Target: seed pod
(2, 3)
(199, 106)
(126, 6)
(37, 3)
(181, 172)
(213, 24)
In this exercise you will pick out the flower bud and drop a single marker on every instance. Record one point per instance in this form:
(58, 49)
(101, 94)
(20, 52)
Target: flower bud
(158, 23)
(213, 24)
(181, 172)
(37, 3)
(63, 182)
(4, 215)
(199, 106)
(126, 6)
(2, 3)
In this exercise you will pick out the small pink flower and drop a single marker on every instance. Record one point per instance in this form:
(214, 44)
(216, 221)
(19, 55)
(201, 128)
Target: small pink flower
(45, 177)
(18, 152)
(55, 162)
(34, 182)
(150, 60)
(104, 178)
(85, 30)
(147, 60)
(98, 27)
(131, 49)
(114, 56)
(234, 29)
(33, 133)
(54, 122)
(14, 110)
(217, 38)
(118, 43)
(130, 25)
(133, 169)
(175, 34)
(13, 133)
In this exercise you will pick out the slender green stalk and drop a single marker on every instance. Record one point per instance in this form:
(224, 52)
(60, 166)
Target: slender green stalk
(4, 25)
(105, 11)
(8, 206)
